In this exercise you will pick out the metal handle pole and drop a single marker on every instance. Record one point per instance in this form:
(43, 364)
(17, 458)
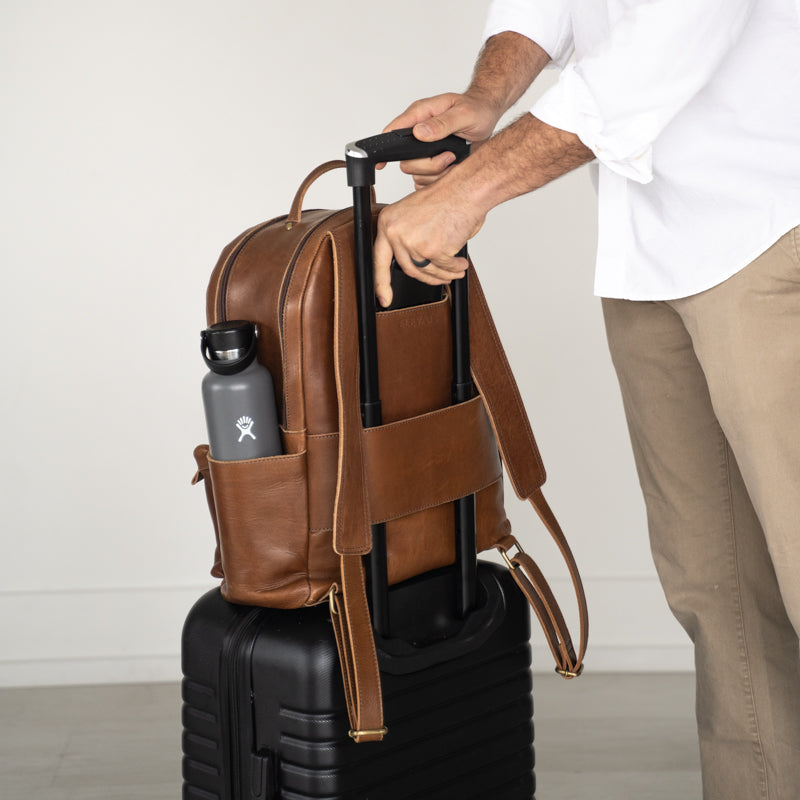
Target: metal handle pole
(370, 393)
(463, 390)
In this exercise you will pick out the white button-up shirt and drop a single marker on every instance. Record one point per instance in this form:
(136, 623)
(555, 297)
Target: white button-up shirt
(692, 108)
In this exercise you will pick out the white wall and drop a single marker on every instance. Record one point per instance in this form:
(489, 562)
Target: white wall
(138, 139)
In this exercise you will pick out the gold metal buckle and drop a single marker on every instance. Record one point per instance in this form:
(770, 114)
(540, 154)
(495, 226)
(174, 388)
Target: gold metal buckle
(511, 565)
(334, 607)
(565, 673)
(375, 732)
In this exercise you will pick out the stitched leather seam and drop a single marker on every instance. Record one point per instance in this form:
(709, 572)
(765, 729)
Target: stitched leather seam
(236, 248)
(283, 458)
(305, 243)
(398, 312)
(361, 601)
(260, 587)
(290, 289)
(412, 420)
(469, 491)
(426, 507)
(237, 242)
(301, 394)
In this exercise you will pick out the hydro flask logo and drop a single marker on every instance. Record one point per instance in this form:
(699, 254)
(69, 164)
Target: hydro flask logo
(245, 426)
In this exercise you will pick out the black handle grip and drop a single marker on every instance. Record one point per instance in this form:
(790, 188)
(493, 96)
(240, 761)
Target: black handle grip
(399, 145)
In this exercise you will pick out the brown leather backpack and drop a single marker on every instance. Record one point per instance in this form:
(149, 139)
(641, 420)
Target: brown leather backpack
(292, 529)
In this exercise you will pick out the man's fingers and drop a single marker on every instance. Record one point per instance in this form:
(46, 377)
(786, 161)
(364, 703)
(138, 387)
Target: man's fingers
(441, 270)
(449, 267)
(456, 119)
(382, 255)
(428, 166)
(421, 110)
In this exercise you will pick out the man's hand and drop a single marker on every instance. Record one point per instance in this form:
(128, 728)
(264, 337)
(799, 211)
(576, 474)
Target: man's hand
(452, 200)
(505, 68)
(435, 222)
(433, 216)
(466, 115)
(431, 225)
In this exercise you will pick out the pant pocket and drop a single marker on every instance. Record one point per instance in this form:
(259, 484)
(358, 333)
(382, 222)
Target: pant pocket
(262, 519)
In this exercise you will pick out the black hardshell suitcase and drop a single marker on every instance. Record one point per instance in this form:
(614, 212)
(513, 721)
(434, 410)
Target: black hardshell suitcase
(264, 711)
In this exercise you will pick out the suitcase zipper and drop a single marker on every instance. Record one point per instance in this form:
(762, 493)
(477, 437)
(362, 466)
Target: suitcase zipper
(234, 657)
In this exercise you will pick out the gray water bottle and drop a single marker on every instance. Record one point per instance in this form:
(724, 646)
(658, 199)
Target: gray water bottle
(238, 395)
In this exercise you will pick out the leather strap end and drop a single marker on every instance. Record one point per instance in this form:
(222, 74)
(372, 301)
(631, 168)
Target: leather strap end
(368, 736)
(536, 589)
(359, 661)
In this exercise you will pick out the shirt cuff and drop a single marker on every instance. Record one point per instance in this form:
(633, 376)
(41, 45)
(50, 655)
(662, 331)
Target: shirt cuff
(570, 106)
(547, 24)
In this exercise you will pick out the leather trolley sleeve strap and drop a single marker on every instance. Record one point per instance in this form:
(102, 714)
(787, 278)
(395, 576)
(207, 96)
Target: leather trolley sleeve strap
(520, 454)
(408, 464)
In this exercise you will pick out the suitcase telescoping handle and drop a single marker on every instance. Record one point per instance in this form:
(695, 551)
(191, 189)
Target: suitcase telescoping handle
(361, 158)
(399, 145)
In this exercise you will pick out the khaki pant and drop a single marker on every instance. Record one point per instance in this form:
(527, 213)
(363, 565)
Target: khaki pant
(711, 388)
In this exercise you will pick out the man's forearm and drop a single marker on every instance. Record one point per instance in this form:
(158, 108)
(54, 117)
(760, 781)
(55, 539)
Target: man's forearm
(507, 65)
(434, 222)
(524, 156)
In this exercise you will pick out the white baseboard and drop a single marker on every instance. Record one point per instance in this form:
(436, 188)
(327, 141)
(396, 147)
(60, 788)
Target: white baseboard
(133, 635)
(94, 636)
(90, 671)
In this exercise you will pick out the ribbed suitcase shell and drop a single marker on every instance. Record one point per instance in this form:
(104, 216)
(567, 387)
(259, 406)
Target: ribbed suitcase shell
(265, 717)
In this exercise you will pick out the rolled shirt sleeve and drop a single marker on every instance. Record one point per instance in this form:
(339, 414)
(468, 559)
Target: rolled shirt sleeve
(655, 57)
(546, 22)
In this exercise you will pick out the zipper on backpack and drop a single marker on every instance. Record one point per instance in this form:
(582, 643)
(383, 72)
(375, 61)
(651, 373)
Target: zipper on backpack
(222, 289)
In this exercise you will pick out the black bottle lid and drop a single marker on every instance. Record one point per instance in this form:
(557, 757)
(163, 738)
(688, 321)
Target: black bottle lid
(229, 347)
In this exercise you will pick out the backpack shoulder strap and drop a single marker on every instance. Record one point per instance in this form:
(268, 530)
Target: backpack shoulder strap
(520, 453)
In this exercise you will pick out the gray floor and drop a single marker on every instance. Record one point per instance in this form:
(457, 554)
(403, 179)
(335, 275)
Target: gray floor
(605, 737)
